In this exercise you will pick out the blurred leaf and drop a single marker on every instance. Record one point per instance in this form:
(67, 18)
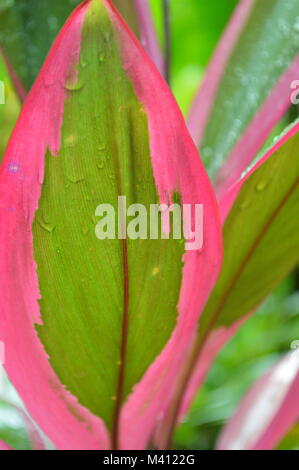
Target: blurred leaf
(12, 428)
(267, 411)
(266, 48)
(249, 354)
(195, 29)
(291, 440)
(4, 446)
(28, 29)
(9, 110)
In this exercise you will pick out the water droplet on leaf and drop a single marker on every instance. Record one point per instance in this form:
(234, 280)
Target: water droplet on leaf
(74, 85)
(245, 204)
(75, 179)
(261, 186)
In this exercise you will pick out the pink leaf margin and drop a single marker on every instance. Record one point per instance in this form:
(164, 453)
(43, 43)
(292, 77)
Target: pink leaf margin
(268, 411)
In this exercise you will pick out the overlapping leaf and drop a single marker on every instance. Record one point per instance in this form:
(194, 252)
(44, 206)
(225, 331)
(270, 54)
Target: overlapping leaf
(261, 240)
(261, 246)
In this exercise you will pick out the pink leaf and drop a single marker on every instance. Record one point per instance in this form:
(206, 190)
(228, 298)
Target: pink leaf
(268, 411)
(148, 36)
(204, 100)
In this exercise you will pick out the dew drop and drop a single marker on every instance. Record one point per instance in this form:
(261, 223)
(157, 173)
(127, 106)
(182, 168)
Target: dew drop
(74, 85)
(75, 179)
(69, 141)
(46, 226)
(83, 62)
(155, 270)
(261, 186)
(245, 204)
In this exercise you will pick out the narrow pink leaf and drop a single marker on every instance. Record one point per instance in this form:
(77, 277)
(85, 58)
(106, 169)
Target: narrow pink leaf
(68, 424)
(204, 99)
(268, 411)
(148, 36)
(258, 130)
(18, 86)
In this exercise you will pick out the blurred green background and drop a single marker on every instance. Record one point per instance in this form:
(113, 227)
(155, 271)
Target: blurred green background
(196, 26)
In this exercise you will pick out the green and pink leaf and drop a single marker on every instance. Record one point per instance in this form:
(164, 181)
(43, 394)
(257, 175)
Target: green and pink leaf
(89, 350)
